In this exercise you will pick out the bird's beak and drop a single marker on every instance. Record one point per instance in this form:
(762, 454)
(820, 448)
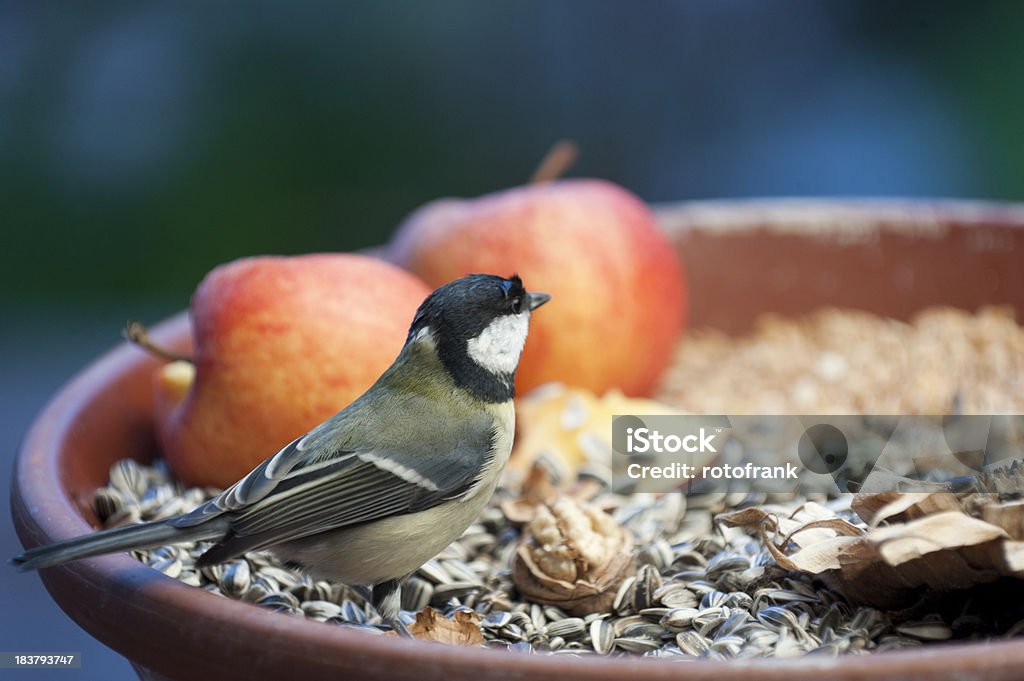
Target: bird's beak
(535, 300)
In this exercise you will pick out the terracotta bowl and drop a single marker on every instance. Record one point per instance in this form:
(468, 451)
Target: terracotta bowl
(743, 258)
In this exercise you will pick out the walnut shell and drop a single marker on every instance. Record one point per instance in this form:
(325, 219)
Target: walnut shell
(573, 556)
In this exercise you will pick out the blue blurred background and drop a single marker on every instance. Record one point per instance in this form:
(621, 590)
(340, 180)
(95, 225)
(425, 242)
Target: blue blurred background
(142, 143)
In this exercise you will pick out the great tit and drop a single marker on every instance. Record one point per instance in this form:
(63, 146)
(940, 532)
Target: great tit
(381, 487)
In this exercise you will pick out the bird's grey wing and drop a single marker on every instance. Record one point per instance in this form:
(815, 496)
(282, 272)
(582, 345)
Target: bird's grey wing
(355, 487)
(289, 462)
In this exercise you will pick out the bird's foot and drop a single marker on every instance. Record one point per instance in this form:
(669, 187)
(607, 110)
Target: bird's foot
(387, 599)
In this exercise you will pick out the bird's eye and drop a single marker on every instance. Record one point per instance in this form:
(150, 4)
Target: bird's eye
(517, 305)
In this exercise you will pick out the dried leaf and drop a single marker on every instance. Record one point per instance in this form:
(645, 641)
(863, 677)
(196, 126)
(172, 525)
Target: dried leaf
(899, 544)
(463, 629)
(901, 506)
(1009, 517)
(819, 540)
(928, 541)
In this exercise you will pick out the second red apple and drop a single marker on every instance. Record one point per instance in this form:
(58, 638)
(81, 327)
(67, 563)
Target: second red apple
(619, 302)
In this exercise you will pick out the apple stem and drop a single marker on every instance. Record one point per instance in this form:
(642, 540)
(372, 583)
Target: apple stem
(559, 159)
(136, 332)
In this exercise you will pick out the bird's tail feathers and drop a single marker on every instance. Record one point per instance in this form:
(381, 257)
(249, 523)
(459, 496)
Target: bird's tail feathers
(129, 537)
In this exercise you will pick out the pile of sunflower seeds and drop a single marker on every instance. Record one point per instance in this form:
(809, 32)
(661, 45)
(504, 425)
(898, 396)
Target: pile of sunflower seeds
(699, 592)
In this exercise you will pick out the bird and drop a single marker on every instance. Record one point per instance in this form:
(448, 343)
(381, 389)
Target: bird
(368, 496)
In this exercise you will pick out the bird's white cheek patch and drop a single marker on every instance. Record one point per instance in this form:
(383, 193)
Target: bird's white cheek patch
(498, 346)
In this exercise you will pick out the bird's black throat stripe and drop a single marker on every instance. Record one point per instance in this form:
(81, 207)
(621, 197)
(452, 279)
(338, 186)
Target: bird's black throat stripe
(470, 376)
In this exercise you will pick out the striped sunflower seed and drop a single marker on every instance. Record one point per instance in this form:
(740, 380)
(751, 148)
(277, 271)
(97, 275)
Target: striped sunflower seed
(692, 643)
(236, 578)
(602, 636)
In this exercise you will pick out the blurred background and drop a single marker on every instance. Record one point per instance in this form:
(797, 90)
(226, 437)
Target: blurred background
(142, 143)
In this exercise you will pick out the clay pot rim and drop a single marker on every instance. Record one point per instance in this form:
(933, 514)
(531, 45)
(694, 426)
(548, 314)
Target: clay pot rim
(44, 510)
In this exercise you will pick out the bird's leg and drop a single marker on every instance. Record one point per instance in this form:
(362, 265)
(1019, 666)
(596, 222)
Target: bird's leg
(387, 599)
(364, 592)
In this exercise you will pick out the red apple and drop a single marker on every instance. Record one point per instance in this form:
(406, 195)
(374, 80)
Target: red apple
(615, 278)
(281, 344)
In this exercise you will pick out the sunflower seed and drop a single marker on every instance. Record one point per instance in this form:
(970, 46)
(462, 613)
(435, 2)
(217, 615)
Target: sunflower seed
(709, 617)
(689, 558)
(692, 643)
(416, 594)
(279, 599)
(537, 618)
(676, 596)
(107, 502)
(865, 618)
(679, 618)
(643, 630)
(726, 562)
(647, 582)
(127, 476)
(926, 631)
(654, 613)
(555, 643)
(637, 645)
(212, 573)
(167, 565)
(169, 508)
(658, 553)
(825, 650)
(624, 596)
(260, 587)
(713, 599)
(191, 577)
(787, 646)
(512, 632)
(553, 613)
(321, 610)
(283, 608)
(898, 643)
(497, 619)
(732, 623)
(236, 578)
(569, 628)
(433, 572)
(602, 636)
(460, 572)
(316, 591)
(701, 587)
(728, 645)
(129, 515)
(442, 592)
(357, 627)
(351, 612)
(154, 497)
(784, 596)
(286, 579)
(778, 617)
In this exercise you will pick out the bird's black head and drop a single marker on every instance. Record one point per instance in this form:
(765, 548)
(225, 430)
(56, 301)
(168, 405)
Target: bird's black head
(478, 324)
